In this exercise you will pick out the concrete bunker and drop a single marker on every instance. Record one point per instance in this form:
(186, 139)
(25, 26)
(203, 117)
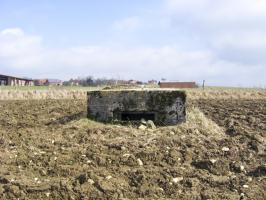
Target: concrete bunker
(163, 107)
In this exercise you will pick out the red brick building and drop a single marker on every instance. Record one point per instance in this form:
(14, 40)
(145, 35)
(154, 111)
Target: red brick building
(48, 82)
(177, 84)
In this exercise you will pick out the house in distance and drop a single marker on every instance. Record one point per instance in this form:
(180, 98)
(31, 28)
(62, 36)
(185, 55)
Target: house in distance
(177, 84)
(48, 82)
(6, 80)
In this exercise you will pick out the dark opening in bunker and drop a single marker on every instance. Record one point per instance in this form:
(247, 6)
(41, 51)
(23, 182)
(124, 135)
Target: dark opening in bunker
(137, 116)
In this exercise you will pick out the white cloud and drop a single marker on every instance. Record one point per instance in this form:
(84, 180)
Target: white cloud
(18, 49)
(12, 32)
(231, 29)
(26, 54)
(127, 24)
(219, 8)
(247, 40)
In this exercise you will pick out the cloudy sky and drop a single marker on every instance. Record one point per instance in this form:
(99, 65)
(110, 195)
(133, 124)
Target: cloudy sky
(221, 41)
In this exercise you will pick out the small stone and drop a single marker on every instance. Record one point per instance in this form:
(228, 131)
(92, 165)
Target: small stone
(233, 177)
(172, 133)
(143, 121)
(150, 124)
(43, 173)
(225, 149)
(183, 137)
(245, 186)
(90, 181)
(48, 194)
(242, 168)
(177, 179)
(108, 177)
(213, 161)
(249, 179)
(140, 162)
(142, 127)
(89, 161)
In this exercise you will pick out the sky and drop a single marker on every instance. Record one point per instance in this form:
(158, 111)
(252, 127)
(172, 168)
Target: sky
(221, 41)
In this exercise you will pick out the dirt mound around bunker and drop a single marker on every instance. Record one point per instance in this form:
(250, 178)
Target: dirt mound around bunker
(49, 150)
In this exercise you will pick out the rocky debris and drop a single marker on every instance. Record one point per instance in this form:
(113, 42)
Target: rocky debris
(242, 168)
(213, 161)
(140, 163)
(151, 125)
(90, 181)
(177, 179)
(142, 127)
(143, 121)
(225, 149)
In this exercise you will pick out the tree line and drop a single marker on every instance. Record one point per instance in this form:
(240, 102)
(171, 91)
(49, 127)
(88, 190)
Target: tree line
(90, 81)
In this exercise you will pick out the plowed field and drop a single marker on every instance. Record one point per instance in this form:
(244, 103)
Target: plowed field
(49, 150)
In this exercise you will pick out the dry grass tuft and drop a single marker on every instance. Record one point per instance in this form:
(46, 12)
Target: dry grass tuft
(64, 93)
(199, 124)
(41, 94)
(224, 93)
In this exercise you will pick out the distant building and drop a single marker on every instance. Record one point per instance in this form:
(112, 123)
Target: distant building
(177, 84)
(135, 82)
(48, 82)
(122, 82)
(152, 82)
(74, 83)
(128, 82)
(15, 81)
(55, 82)
(41, 82)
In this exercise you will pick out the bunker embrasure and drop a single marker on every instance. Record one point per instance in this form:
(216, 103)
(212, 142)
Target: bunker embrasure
(163, 107)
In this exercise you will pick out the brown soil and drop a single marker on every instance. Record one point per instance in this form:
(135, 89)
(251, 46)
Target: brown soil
(49, 150)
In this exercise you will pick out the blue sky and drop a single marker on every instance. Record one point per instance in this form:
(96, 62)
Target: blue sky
(220, 41)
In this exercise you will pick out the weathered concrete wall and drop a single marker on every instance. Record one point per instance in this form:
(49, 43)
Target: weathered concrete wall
(164, 107)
